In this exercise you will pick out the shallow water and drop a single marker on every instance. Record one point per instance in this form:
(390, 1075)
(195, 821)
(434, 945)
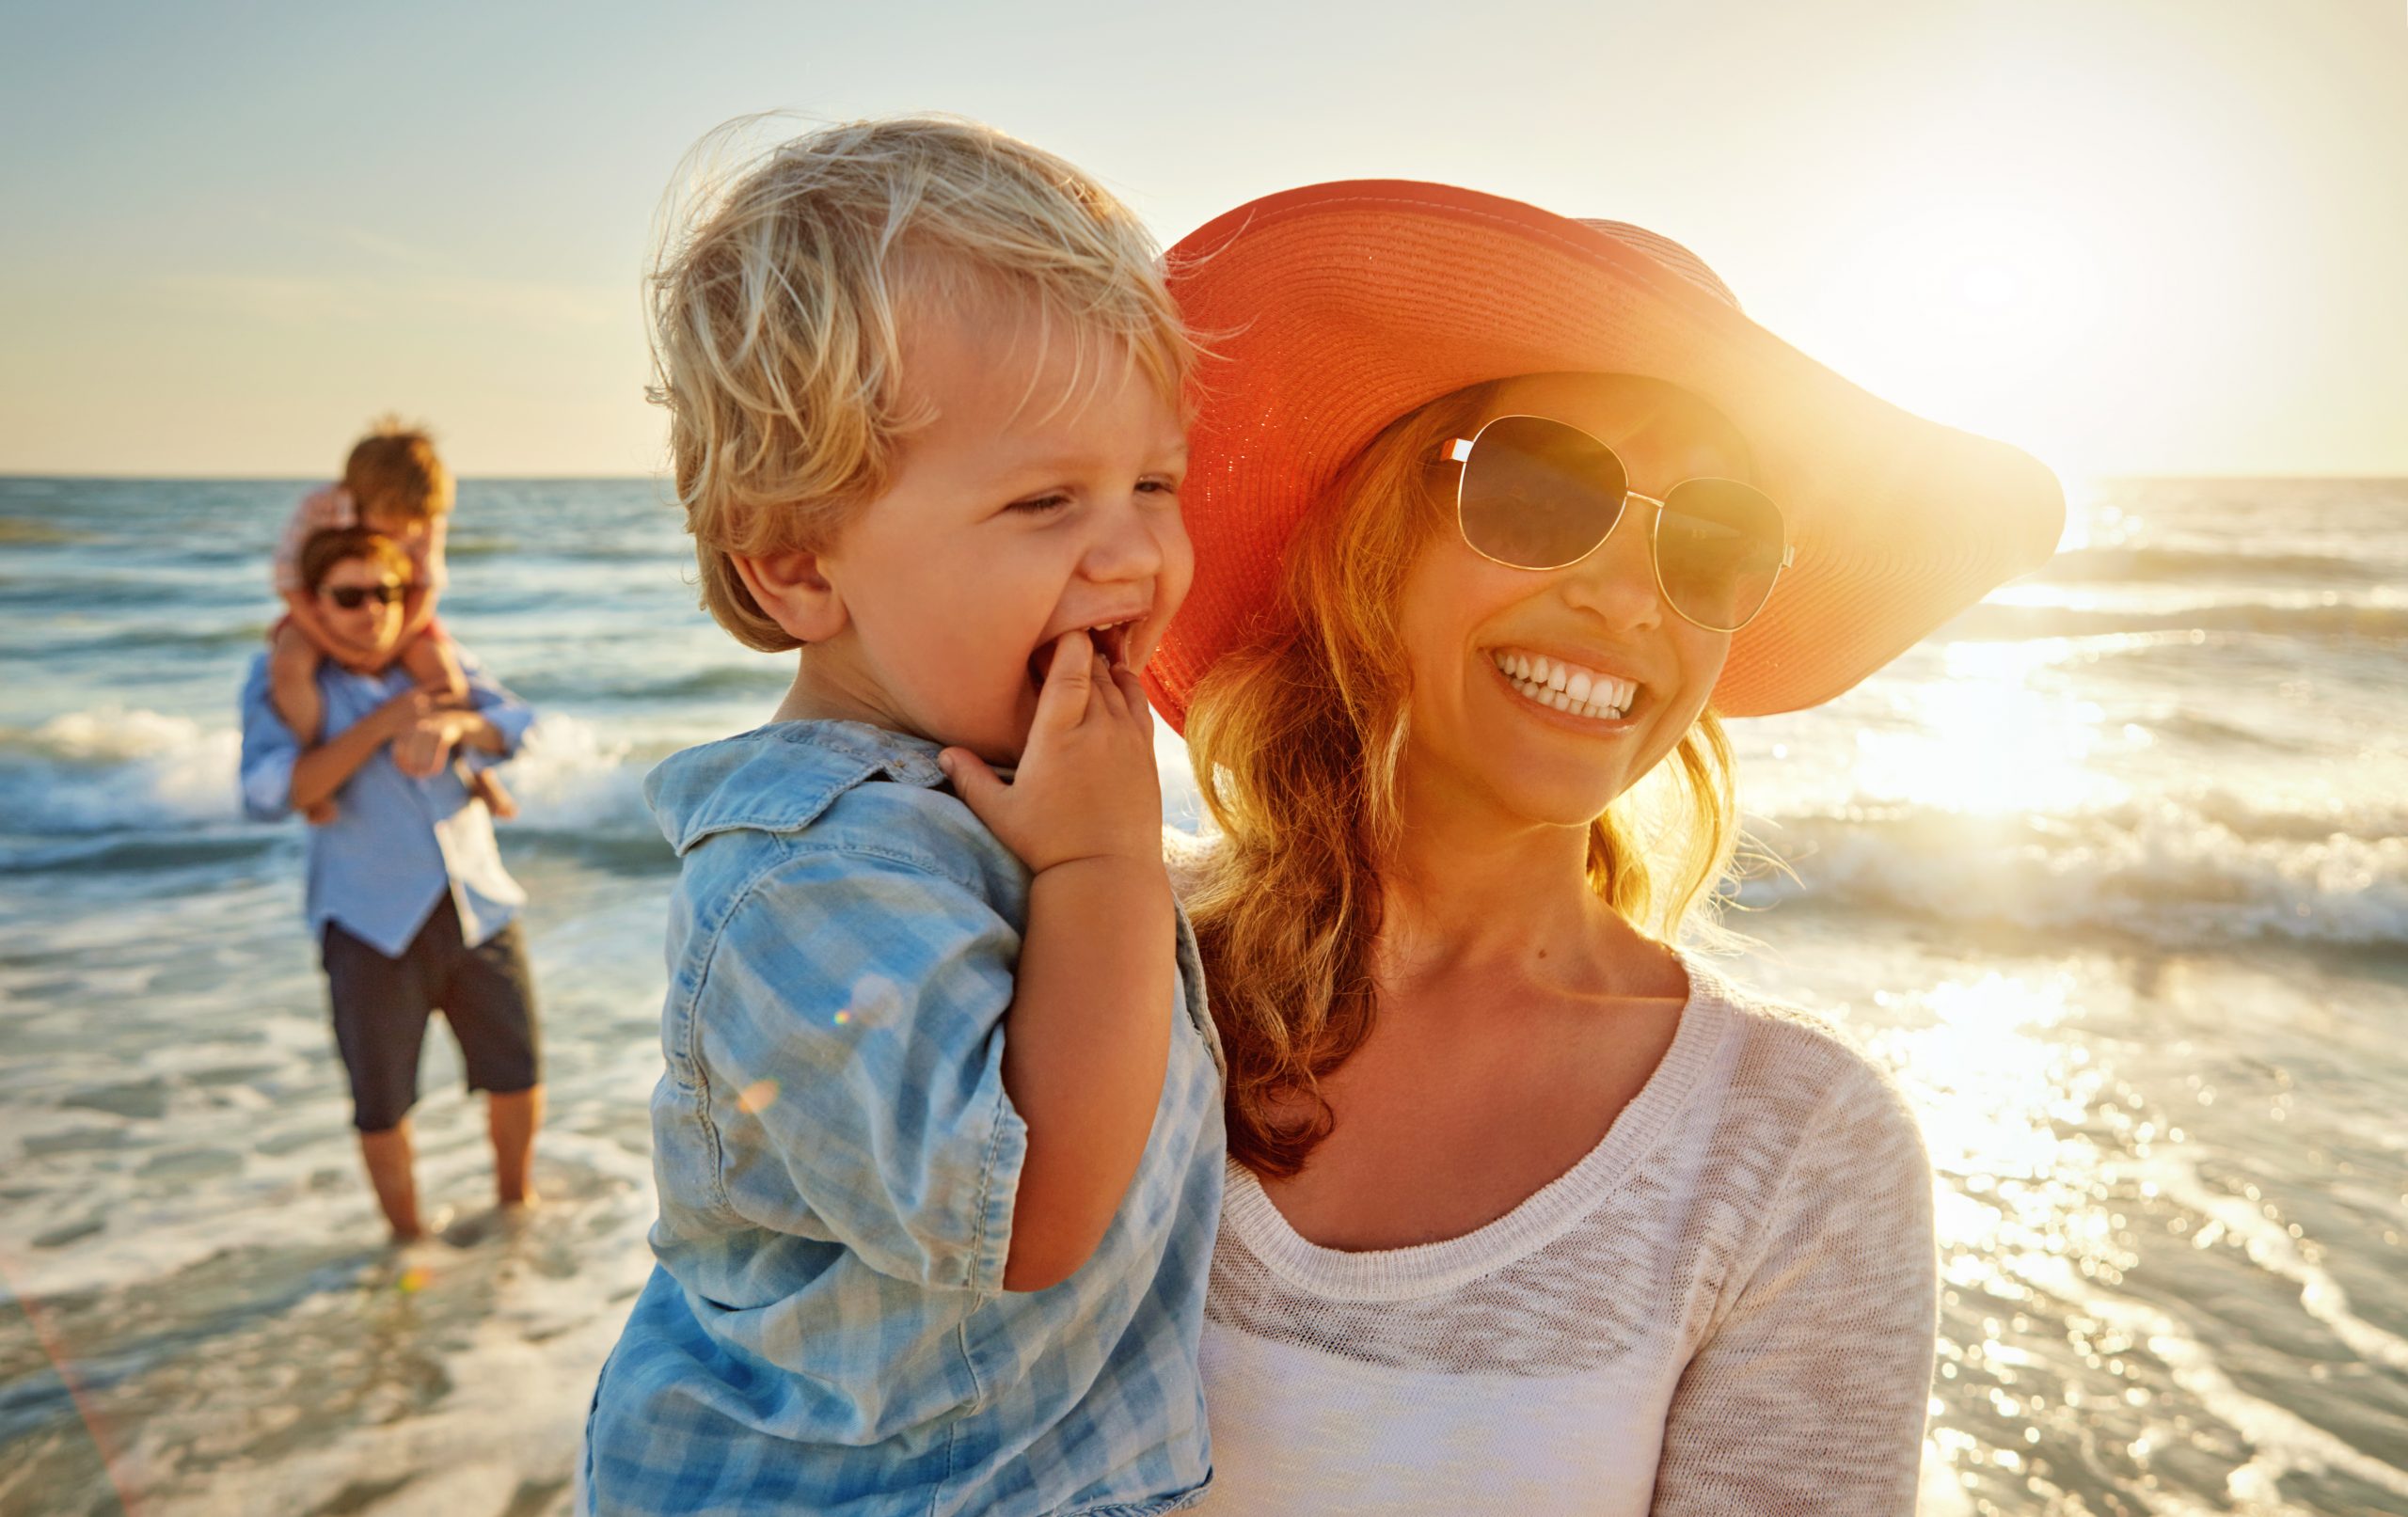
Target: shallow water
(2112, 871)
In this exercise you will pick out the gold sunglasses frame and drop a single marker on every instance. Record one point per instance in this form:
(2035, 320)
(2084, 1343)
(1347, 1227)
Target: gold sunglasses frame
(1459, 452)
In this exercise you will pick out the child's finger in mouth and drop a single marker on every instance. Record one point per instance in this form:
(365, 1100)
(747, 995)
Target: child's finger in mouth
(1109, 643)
(1041, 663)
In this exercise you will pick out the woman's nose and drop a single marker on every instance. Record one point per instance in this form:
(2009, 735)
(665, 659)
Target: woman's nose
(1617, 582)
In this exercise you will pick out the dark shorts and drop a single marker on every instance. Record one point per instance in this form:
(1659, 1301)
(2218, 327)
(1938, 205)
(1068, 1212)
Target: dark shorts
(381, 1005)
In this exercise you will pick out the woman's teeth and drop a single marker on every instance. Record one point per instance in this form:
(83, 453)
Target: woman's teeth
(1566, 686)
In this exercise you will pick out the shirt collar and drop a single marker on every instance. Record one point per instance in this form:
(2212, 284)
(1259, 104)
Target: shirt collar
(779, 778)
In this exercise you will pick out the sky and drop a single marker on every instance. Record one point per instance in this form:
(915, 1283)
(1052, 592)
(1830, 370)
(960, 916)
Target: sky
(2134, 236)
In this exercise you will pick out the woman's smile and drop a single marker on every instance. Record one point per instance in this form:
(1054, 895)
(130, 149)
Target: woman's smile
(1590, 699)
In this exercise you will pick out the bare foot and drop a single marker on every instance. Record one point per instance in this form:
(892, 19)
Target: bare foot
(424, 1228)
(503, 1220)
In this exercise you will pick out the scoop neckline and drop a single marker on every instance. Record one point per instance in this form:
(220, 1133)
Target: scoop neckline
(1540, 1218)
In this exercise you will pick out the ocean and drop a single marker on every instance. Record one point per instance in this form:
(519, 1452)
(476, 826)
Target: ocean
(2113, 871)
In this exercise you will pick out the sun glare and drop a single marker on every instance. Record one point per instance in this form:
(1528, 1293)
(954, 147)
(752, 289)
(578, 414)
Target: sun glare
(1979, 301)
(1984, 741)
(1992, 274)
(1989, 286)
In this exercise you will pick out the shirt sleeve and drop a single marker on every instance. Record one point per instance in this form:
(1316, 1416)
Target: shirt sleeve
(847, 1046)
(1810, 1395)
(269, 752)
(496, 703)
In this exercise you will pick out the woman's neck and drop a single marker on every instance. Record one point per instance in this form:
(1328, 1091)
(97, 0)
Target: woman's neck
(1471, 891)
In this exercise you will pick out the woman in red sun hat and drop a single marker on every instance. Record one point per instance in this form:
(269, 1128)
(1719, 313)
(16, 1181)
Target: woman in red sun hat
(1497, 512)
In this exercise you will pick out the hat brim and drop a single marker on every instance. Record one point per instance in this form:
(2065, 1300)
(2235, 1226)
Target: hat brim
(1336, 308)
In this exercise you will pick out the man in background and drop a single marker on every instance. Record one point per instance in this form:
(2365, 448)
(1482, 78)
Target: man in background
(406, 892)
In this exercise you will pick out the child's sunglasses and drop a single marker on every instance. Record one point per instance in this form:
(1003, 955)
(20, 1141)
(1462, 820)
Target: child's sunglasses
(351, 597)
(1536, 494)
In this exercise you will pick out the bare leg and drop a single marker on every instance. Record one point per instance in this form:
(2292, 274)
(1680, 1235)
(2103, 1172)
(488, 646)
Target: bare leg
(435, 669)
(390, 1162)
(511, 1121)
(487, 787)
(292, 686)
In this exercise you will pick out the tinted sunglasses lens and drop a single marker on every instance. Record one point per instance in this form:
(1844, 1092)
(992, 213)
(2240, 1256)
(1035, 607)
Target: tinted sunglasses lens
(1537, 494)
(350, 597)
(1717, 552)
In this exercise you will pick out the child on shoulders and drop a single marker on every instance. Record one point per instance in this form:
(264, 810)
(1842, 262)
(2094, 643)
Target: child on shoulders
(395, 485)
(938, 1146)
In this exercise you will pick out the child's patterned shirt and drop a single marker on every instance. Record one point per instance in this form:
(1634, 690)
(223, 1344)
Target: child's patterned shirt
(827, 1330)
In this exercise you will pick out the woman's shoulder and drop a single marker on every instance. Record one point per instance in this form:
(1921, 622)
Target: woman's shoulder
(1795, 1072)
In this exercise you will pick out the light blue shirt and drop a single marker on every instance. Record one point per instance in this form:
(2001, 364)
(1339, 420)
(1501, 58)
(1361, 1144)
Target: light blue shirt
(826, 1330)
(397, 846)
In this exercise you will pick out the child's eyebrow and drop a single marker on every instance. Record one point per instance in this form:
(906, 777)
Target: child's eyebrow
(1070, 461)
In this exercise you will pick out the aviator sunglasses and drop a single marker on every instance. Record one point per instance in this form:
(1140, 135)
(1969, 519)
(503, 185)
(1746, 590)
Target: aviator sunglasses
(350, 597)
(1538, 494)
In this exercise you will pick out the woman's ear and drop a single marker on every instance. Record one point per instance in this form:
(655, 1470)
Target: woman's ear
(793, 590)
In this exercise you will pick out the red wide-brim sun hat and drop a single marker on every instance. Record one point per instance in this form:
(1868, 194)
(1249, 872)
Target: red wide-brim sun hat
(1333, 309)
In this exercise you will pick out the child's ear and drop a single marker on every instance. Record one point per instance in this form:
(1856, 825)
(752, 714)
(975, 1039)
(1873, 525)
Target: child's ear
(793, 589)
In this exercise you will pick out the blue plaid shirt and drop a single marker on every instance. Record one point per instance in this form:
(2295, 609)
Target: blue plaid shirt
(826, 1329)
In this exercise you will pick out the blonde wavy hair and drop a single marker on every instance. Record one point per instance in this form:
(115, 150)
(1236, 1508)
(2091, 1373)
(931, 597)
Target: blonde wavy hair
(1297, 742)
(780, 288)
(394, 473)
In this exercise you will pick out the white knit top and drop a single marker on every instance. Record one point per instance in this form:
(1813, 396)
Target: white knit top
(1727, 1306)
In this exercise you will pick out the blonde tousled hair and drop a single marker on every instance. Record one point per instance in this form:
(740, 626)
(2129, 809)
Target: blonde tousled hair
(394, 473)
(778, 296)
(1297, 742)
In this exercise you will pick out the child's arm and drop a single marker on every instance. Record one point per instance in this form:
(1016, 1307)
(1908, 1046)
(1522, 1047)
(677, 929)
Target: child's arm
(293, 681)
(278, 776)
(1088, 1035)
(303, 608)
(434, 667)
(324, 769)
(418, 613)
(418, 606)
(484, 727)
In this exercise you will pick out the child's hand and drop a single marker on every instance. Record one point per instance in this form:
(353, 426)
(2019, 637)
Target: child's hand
(1085, 787)
(398, 723)
(424, 747)
(401, 713)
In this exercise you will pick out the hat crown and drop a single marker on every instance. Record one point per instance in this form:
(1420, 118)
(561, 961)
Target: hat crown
(1670, 254)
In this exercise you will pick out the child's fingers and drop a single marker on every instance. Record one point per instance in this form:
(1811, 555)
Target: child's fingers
(1133, 691)
(1109, 698)
(404, 709)
(1068, 682)
(413, 755)
(973, 782)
